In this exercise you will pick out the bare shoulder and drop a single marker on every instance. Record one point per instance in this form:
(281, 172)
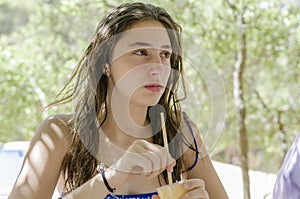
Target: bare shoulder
(55, 129)
(61, 121)
(41, 167)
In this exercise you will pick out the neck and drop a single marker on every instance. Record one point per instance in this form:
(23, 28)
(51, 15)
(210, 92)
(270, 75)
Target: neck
(137, 115)
(125, 124)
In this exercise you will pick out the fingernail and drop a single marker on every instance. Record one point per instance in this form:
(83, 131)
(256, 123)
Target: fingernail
(170, 169)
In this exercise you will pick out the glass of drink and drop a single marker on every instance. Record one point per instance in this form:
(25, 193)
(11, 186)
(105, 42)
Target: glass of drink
(171, 191)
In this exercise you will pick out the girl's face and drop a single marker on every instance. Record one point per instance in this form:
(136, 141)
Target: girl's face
(140, 65)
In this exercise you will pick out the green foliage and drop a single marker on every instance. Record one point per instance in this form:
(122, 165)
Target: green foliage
(41, 42)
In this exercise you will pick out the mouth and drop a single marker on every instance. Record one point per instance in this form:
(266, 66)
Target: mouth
(154, 87)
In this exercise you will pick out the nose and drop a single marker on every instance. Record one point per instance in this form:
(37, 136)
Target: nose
(156, 58)
(156, 64)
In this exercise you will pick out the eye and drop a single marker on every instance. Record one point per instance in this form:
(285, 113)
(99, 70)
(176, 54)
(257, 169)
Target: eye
(141, 52)
(166, 54)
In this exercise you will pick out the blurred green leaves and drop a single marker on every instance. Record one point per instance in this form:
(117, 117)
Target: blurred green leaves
(41, 41)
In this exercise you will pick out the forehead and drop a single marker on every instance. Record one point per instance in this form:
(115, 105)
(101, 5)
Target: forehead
(152, 33)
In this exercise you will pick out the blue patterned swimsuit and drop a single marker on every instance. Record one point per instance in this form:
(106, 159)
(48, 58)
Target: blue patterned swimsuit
(134, 196)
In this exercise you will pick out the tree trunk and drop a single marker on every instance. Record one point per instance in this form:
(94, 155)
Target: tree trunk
(282, 135)
(238, 93)
(240, 103)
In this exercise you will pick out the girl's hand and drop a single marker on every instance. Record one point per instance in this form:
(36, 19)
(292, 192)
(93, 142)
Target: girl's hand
(141, 158)
(196, 189)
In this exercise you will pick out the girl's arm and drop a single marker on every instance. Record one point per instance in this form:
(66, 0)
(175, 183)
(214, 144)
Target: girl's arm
(41, 167)
(204, 168)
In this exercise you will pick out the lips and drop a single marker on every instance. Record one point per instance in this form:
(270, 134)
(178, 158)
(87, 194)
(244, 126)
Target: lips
(154, 87)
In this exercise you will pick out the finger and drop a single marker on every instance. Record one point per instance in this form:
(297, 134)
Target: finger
(153, 158)
(157, 172)
(157, 150)
(155, 197)
(154, 173)
(158, 155)
(130, 161)
(157, 158)
(167, 162)
(147, 145)
(170, 166)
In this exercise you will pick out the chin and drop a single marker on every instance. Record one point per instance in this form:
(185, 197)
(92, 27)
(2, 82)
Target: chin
(153, 103)
(149, 102)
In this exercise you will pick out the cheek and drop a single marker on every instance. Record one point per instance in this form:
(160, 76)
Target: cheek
(124, 65)
(118, 70)
(127, 81)
(166, 73)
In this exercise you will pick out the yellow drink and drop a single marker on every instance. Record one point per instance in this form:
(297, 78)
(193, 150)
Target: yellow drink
(171, 191)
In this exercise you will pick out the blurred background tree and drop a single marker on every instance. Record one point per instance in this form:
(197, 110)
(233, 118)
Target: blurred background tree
(41, 41)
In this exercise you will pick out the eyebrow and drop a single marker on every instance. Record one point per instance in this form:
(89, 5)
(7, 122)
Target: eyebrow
(144, 44)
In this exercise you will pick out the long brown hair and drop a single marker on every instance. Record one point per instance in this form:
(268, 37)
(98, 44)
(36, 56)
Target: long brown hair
(89, 92)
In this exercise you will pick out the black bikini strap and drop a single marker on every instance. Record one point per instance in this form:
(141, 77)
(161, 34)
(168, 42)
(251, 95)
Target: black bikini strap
(194, 139)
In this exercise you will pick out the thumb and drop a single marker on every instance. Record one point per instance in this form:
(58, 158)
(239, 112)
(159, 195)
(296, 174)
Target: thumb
(155, 197)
